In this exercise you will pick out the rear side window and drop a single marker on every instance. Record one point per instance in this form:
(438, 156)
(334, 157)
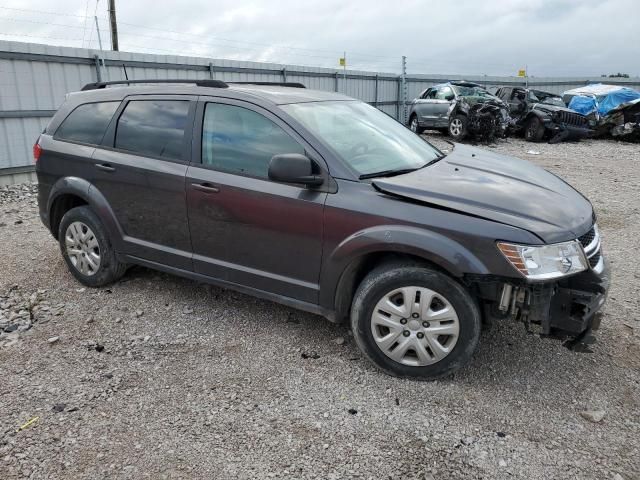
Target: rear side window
(87, 123)
(241, 141)
(153, 128)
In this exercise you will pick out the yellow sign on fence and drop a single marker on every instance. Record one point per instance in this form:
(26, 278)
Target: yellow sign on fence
(343, 62)
(522, 73)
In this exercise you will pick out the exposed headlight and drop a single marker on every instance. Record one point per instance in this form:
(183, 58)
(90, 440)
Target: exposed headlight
(544, 262)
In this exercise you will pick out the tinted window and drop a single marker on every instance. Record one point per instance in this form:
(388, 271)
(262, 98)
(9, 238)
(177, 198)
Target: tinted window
(238, 140)
(87, 123)
(153, 128)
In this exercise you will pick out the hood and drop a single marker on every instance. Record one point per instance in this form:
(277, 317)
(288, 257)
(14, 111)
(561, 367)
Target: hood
(547, 107)
(499, 188)
(473, 99)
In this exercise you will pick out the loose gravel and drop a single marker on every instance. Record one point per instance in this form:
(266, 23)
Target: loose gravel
(161, 377)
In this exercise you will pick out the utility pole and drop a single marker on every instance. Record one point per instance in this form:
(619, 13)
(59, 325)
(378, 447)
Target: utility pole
(114, 25)
(98, 30)
(344, 72)
(403, 89)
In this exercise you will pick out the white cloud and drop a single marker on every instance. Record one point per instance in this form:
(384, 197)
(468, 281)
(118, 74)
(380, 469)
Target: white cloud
(551, 37)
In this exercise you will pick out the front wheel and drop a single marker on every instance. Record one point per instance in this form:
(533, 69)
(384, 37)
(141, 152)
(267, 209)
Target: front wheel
(534, 131)
(414, 322)
(458, 127)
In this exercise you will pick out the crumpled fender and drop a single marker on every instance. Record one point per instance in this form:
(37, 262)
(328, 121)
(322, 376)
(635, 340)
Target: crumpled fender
(431, 246)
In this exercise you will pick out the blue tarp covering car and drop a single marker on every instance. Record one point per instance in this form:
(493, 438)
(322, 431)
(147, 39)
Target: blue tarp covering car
(583, 105)
(613, 110)
(599, 97)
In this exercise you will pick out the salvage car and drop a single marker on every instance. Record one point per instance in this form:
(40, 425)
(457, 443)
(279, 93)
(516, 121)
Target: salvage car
(459, 109)
(613, 109)
(323, 203)
(542, 115)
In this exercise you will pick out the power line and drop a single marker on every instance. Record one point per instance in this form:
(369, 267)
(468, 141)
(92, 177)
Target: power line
(84, 23)
(164, 30)
(29, 10)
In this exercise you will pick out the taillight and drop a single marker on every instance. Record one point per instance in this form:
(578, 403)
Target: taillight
(37, 150)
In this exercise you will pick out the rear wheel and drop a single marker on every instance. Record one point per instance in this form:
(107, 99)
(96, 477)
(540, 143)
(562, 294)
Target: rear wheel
(86, 248)
(415, 322)
(458, 127)
(534, 131)
(413, 125)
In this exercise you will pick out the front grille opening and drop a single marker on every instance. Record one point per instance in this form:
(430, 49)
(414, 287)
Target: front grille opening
(595, 258)
(587, 238)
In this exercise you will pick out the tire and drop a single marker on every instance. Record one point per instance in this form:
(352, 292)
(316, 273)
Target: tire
(534, 130)
(414, 126)
(457, 127)
(87, 250)
(371, 336)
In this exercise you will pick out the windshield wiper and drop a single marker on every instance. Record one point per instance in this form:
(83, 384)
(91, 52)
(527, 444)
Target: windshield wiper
(399, 171)
(389, 173)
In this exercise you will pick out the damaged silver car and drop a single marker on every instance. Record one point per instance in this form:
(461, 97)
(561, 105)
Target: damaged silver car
(460, 109)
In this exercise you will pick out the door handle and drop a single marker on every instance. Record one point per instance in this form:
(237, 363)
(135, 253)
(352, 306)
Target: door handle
(205, 187)
(105, 167)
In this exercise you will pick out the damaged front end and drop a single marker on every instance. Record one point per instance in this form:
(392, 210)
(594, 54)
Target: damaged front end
(568, 308)
(623, 122)
(487, 119)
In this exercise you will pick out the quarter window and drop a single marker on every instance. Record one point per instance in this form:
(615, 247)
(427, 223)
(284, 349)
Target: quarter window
(87, 123)
(241, 141)
(153, 128)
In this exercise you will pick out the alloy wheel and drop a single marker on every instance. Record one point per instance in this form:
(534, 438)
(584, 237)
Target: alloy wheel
(82, 248)
(455, 128)
(415, 326)
(413, 126)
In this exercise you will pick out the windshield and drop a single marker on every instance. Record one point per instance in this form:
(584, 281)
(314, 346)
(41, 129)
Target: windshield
(365, 138)
(471, 91)
(544, 97)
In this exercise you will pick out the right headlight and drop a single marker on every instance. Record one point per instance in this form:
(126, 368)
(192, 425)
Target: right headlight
(545, 262)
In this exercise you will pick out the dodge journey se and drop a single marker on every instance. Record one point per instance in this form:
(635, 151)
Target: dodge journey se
(325, 204)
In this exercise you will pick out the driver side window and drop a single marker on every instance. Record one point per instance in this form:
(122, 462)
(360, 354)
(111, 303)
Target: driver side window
(444, 93)
(240, 141)
(430, 94)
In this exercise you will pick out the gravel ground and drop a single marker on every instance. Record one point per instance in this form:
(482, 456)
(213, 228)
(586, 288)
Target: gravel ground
(161, 377)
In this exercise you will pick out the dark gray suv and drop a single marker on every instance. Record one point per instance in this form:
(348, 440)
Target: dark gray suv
(325, 204)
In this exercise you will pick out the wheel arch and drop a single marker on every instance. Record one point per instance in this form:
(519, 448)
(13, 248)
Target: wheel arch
(354, 258)
(70, 192)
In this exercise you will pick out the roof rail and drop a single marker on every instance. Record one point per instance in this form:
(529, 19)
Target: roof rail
(199, 83)
(278, 84)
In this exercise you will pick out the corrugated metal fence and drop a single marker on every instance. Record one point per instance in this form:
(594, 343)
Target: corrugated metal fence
(35, 78)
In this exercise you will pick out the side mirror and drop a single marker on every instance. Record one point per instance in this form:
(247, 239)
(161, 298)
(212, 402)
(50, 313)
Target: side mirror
(293, 168)
(450, 97)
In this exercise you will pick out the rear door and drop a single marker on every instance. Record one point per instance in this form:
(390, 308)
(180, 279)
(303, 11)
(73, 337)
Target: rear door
(423, 107)
(246, 229)
(140, 169)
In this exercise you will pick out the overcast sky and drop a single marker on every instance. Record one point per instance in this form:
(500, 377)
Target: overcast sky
(493, 37)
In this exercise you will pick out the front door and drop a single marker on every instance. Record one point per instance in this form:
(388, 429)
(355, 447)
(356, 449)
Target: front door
(246, 229)
(440, 106)
(140, 169)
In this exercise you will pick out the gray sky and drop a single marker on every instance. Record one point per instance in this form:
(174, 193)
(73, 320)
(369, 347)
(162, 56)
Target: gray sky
(493, 37)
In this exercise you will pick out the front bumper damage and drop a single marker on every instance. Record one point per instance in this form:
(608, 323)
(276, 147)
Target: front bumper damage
(562, 131)
(568, 308)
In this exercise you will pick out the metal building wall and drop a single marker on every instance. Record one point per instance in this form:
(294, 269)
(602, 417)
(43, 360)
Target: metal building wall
(35, 78)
